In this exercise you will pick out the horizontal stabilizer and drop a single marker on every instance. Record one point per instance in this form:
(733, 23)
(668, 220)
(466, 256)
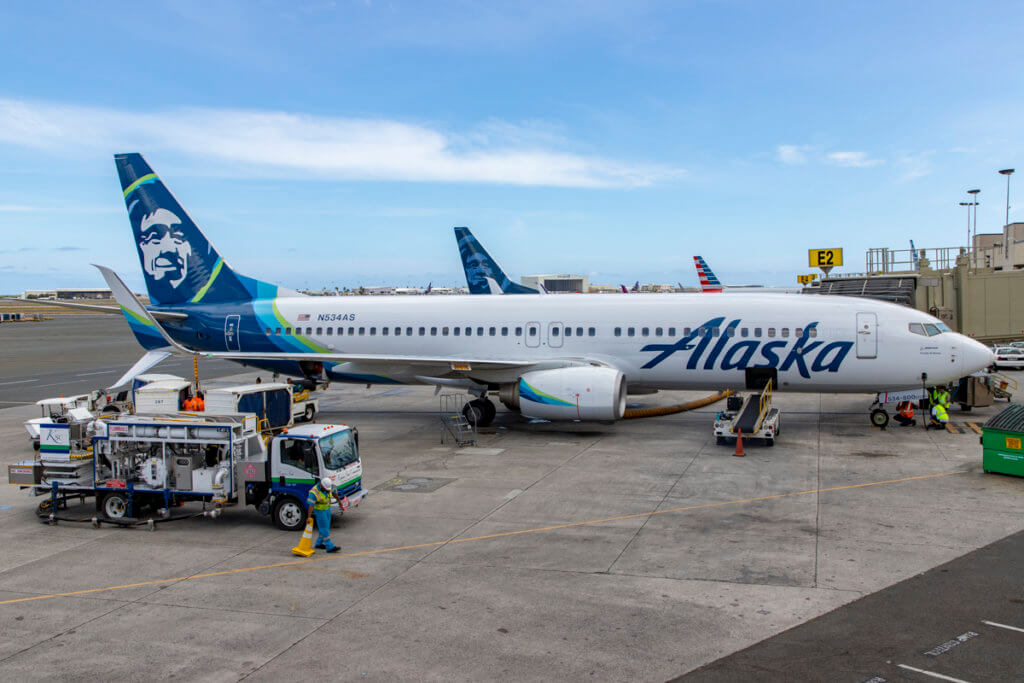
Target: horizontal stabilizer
(98, 308)
(151, 359)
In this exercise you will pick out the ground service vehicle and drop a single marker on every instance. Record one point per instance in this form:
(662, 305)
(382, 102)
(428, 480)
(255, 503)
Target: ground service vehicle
(752, 416)
(1009, 357)
(159, 462)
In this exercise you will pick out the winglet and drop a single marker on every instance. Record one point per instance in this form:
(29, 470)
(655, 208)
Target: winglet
(143, 324)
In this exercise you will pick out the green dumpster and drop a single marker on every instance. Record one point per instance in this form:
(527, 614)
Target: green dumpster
(1001, 441)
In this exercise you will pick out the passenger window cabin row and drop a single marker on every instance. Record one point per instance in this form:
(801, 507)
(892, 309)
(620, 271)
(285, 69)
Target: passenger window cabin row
(533, 331)
(756, 332)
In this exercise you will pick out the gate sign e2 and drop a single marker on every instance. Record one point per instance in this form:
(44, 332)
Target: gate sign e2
(825, 258)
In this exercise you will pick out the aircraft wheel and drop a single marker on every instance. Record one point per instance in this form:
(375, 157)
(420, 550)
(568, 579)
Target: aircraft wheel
(879, 418)
(489, 412)
(473, 411)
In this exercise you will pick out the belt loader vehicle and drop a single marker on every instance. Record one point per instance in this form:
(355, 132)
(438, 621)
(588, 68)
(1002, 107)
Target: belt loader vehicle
(159, 462)
(752, 416)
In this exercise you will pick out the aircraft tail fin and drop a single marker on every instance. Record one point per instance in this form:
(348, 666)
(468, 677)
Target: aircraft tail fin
(179, 263)
(479, 266)
(708, 280)
(636, 286)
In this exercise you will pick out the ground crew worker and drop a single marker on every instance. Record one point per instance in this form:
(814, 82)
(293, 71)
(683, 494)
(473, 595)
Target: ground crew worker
(905, 414)
(189, 403)
(319, 502)
(199, 402)
(939, 412)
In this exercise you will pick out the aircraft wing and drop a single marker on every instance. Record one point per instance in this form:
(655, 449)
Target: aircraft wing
(159, 315)
(130, 303)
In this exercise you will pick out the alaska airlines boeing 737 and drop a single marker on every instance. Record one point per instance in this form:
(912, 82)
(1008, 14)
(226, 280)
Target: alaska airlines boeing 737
(559, 357)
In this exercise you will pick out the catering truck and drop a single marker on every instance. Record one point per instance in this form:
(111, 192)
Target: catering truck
(143, 466)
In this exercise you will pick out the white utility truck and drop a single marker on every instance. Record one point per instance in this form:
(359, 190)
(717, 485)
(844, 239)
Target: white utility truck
(154, 464)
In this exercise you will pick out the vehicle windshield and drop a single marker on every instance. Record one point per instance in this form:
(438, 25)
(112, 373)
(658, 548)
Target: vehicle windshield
(339, 450)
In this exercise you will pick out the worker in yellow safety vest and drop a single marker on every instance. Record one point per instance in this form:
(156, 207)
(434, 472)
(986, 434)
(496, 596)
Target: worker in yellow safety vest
(940, 409)
(319, 502)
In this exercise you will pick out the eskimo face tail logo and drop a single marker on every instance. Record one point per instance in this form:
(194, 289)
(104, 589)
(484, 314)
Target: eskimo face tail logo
(165, 251)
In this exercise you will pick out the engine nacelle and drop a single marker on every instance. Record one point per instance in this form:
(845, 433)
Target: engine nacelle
(577, 393)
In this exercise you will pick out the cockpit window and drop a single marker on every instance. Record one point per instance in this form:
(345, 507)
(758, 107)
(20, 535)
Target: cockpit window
(943, 327)
(918, 328)
(932, 330)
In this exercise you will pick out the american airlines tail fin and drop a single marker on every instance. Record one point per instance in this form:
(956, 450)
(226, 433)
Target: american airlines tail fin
(708, 280)
(179, 263)
(479, 266)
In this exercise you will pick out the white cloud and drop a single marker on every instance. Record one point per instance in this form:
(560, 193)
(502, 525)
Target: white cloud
(852, 159)
(792, 154)
(914, 166)
(283, 144)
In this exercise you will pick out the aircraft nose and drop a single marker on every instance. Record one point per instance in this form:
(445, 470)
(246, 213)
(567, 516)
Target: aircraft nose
(977, 356)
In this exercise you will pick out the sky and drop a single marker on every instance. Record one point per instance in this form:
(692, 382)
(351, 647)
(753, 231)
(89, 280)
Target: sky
(336, 144)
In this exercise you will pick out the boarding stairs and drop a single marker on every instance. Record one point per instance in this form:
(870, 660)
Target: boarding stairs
(455, 428)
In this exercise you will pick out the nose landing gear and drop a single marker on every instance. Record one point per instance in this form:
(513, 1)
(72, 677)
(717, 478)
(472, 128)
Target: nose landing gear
(479, 411)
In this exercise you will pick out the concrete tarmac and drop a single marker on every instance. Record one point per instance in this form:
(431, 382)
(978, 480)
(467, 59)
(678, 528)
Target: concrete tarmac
(75, 354)
(637, 550)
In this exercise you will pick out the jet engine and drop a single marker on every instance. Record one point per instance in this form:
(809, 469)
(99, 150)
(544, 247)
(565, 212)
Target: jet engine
(576, 393)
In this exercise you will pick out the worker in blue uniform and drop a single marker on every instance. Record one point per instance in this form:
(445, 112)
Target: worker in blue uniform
(319, 502)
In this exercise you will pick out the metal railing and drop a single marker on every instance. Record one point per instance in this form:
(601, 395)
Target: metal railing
(884, 260)
(764, 404)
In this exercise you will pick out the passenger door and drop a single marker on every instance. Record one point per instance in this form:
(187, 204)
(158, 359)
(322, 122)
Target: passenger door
(231, 341)
(532, 332)
(867, 335)
(555, 335)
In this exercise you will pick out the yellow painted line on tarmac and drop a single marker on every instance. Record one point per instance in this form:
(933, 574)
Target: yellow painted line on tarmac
(975, 427)
(502, 534)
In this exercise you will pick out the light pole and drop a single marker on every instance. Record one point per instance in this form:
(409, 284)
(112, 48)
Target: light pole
(968, 205)
(974, 198)
(1006, 240)
(1007, 172)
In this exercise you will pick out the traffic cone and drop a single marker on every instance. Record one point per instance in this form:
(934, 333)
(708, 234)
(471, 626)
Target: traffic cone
(739, 444)
(305, 546)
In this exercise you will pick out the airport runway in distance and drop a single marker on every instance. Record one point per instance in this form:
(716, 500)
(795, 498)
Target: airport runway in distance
(74, 354)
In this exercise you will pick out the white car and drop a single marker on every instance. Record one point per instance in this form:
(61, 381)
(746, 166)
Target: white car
(1017, 344)
(1009, 357)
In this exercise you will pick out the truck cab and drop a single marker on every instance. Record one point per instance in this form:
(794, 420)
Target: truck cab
(301, 456)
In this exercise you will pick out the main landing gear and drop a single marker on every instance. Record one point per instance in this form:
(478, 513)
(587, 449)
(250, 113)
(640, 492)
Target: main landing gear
(479, 412)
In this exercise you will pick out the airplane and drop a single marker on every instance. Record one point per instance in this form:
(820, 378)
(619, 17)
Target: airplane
(483, 274)
(566, 357)
(634, 290)
(710, 284)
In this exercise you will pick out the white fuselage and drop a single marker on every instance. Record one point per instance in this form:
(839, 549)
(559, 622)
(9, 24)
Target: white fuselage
(816, 343)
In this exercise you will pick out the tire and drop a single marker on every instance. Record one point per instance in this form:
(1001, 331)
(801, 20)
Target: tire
(721, 441)
(769, 442)
(965, 407)
(309, 414)
(489, 412)
(289, 514)
(110, 410)
(879, 418)
(115, 506)
(473, 411)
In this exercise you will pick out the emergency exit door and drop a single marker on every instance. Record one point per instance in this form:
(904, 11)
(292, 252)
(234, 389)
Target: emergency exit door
(867, 335)
(231, 333)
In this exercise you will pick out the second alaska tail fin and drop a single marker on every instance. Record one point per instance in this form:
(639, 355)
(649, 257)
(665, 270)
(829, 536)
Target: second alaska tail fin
(479, 266)
(179, 263)
(708, 281)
